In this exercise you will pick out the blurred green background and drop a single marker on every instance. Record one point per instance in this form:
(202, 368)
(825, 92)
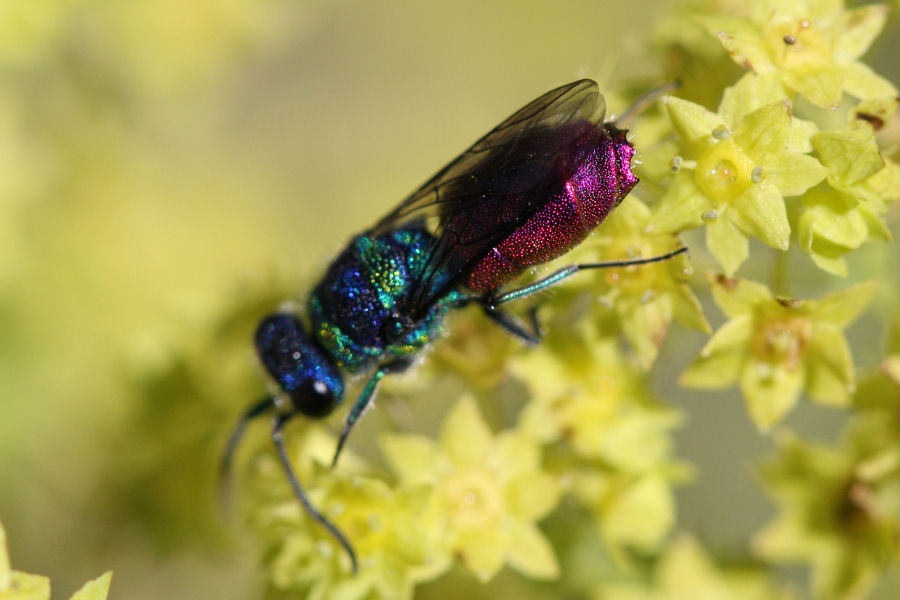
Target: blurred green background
(165, 164)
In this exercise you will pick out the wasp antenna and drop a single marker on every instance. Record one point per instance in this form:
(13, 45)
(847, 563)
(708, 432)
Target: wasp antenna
(641, 104)
(632, 261)
(253, 411)
(278, 438)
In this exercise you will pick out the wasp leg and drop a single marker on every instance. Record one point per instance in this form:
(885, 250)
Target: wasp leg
(513, 326)
(492, 303)
(253, 411)
(366, 398)
(278, 438)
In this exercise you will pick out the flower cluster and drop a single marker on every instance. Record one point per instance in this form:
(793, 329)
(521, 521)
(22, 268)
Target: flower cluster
(589, 430)
(685, 570)
(774, 136)
(775, 162)
(793, 156)
(615, 438)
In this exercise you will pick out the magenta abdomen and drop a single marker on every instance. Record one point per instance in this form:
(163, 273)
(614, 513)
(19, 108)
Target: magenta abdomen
(602, 177)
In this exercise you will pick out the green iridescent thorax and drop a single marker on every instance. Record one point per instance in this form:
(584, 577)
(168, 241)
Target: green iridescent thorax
(358, 309)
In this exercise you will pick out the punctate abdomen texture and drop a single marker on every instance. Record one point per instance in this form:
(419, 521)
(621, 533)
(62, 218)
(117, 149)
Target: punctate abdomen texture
(597, 177)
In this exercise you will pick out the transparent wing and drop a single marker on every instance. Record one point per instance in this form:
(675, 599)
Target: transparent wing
(482, 196)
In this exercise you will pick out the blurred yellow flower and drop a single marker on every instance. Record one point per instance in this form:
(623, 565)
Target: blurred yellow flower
(811, 46)
(382, 523)
(489, 492)
(15, 585)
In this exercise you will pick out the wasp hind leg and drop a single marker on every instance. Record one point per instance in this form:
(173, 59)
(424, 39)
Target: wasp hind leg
(513, 326)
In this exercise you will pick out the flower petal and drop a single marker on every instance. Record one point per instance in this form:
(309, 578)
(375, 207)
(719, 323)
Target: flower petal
(886, 182)
(691, 121)
(830, 226)
(843, 307)
(465, 436)
(96, 589)
(412, 457)
(850, 153)
(741, 39)
(532, 496)
(829, 366)
(645, 324)
(681, 208)
(719, 362)
(864, 83)
(760, 211)
(834, 264)
(792, 173)
(28, 587)
(688, 311)
(856, 29)
(737, 296)
(634, 442)
(764, 130)
(530, 553)
(820, 84)
(483, 551)
(642, 515)
(748, 94)
(770, 391)
(727, 244)
(891, 367)
(515, 453)
(5, 571)
(799, 134)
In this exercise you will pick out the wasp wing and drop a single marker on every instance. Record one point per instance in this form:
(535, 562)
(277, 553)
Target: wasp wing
(491, 189)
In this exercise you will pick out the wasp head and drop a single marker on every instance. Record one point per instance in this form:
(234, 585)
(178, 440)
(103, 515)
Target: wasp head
(302, 370)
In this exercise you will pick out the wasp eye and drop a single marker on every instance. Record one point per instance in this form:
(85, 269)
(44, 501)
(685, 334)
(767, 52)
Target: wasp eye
(314, 398)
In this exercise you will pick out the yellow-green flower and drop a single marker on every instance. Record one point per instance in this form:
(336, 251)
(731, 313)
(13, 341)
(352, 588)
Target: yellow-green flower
(587, 395)
(383, 524)
(839, 216)
(690, 55)
(476, 351)
(646, 297)
(488, 493)
(736, 168)
(775, 347)
(687, 572)
(16, 585)
(631, 510)
(811, 46)
(839, 508)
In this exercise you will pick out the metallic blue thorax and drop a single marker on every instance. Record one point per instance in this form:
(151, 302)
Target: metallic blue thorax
(358, 311)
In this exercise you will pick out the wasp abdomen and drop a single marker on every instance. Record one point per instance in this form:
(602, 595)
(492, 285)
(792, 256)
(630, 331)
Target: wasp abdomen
(600, 163)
